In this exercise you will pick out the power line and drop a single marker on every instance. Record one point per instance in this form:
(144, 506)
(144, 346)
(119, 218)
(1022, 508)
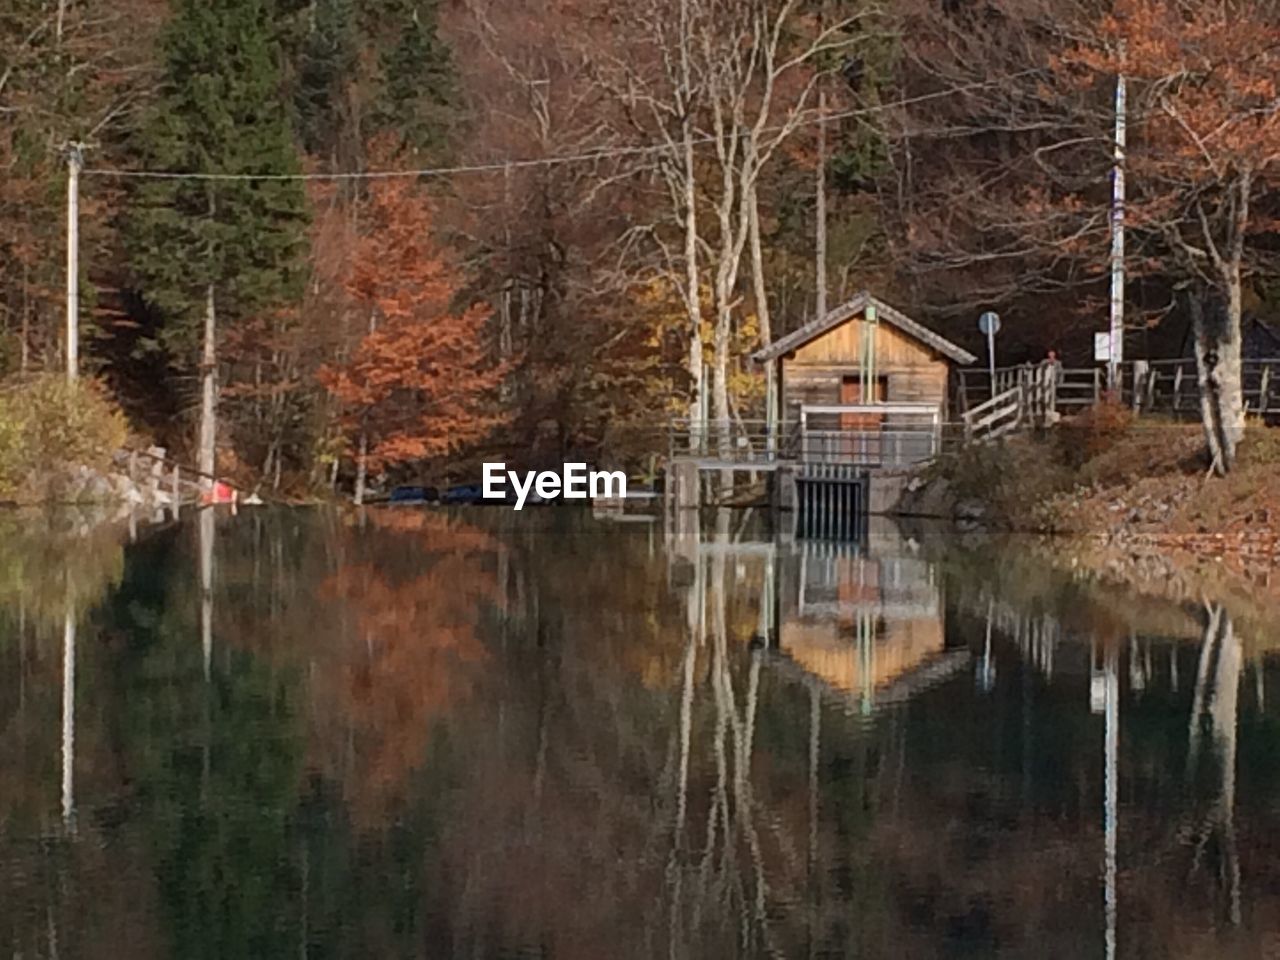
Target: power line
(498, 166)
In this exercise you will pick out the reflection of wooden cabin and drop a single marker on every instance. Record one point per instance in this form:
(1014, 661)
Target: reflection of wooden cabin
(824, 363)
(871, 629)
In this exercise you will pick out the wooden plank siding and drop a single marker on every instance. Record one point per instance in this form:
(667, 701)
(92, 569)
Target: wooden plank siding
(912, 371)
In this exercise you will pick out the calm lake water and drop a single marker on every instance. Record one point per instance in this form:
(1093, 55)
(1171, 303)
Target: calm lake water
(480, 734)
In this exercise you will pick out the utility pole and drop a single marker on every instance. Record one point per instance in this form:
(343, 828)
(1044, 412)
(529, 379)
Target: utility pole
(1116, 353)
(75, 162)
(820, 240)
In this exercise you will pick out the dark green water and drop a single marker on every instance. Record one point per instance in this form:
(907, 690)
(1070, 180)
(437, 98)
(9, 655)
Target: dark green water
(481, 734)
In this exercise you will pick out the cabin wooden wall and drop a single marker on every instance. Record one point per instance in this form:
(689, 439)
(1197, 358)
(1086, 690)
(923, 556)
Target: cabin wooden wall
(913, 371)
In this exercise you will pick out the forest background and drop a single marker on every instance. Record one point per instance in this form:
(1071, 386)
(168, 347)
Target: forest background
(325, 238)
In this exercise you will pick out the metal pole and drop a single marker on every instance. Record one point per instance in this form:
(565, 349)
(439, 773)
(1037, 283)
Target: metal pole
(75, 160)
(1117, 234)
(991, 355)
(869, 384)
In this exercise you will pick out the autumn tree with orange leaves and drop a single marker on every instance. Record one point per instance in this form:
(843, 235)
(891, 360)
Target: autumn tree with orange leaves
(1205, 165)
(420, 384)
(1007, 196)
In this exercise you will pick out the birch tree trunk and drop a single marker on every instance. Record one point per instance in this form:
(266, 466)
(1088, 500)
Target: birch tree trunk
(692, 293)
(763, 313)
(362, 468)
(362, 451)
(1218, 331)
(1218, 366)
(208, 440)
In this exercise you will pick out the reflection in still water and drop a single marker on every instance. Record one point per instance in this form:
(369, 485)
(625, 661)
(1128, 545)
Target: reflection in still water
(417, 733)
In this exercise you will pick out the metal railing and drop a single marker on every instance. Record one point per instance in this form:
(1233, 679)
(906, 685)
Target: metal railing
(892, 444)
(884, 448)
(737, 441)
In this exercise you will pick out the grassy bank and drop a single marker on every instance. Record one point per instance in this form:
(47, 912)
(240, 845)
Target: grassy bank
(1107, 474)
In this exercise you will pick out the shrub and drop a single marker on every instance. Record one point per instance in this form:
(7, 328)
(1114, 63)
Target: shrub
(1260, 447)
(1011, 478)
(48, 427)
(1097, 430)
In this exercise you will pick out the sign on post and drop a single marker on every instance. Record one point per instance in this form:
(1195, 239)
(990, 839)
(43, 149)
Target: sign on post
(1102, 347)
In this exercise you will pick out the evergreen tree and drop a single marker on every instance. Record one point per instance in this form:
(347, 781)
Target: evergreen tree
(326, 62)
(201, 248)
(416, 82)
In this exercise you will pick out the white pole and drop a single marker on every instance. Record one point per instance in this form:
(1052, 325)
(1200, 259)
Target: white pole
(1110, 803)
(1117, 234)
(75, 160)
(991, 356)
(68, 712)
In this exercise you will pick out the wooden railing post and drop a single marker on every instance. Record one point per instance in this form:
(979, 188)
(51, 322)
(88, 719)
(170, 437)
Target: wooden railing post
(1265, 388)
(1140, 374)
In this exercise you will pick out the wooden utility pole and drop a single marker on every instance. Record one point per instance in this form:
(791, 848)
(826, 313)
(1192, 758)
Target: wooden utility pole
(820, 244)
(75, 162)
(1116, 353)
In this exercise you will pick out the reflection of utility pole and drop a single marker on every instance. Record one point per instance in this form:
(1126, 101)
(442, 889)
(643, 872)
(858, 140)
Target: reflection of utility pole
(815, 744)
(1111, 681)
(68, 710)
(207, 533)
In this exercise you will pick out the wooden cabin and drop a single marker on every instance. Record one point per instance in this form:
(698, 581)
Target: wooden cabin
(824, 363)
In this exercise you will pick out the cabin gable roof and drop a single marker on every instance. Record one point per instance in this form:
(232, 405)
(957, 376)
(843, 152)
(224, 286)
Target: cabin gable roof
(842, 314)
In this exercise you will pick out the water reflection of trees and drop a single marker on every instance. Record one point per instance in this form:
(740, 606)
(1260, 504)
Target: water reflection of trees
(410, 734)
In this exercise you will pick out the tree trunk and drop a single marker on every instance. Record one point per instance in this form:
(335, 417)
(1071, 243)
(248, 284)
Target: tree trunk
(1218, 366)
(692, 293)
(362, 468)
(24, 343)
(762, 314)
(209, 394)
(362, 454)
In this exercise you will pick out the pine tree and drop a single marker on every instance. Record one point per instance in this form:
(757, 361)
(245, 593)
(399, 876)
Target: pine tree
(416, 87)
(325, 63)
(202, 248)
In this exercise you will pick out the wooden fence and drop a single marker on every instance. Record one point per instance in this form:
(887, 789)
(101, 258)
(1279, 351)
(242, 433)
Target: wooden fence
(1060, 387)
(1028, 397)
(165, 480)
(1172, 387)
(1160, 387)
